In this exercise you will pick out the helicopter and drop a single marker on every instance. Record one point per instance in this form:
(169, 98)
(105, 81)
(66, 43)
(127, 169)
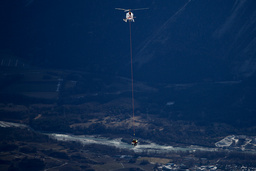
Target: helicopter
(129, 15)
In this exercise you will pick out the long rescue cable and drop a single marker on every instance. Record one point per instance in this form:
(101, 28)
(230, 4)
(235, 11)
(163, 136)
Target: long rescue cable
(130, 27)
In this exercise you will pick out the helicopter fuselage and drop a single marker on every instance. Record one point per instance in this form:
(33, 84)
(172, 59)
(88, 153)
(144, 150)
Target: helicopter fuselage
(129, 17)
(129, 14)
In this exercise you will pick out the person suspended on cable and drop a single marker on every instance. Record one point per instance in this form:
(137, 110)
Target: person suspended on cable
(134, 142)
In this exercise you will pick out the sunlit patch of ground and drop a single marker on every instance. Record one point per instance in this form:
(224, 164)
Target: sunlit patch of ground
(154, 160)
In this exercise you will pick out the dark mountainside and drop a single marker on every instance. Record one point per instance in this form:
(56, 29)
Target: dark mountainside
(65, 68)
(205, 40)
(198, 55)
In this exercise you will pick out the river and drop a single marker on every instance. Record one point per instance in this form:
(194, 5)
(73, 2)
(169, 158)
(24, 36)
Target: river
(148, 147)
(118, 143)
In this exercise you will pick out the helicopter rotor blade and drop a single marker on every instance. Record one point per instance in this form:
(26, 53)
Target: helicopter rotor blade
(140, 9)
(121, 9)
(126, 10)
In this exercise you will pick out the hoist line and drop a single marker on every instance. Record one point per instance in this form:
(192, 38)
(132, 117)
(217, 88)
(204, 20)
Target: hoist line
(130, 27)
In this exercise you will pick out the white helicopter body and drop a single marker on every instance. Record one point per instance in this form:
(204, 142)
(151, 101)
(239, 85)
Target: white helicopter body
(129, 15)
